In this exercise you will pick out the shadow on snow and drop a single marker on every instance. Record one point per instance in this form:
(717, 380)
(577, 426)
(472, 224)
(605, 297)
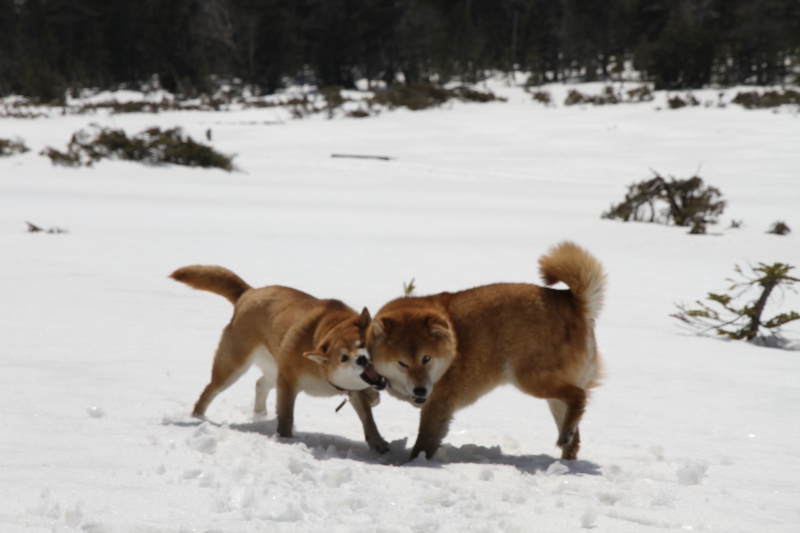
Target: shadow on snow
(324, 447)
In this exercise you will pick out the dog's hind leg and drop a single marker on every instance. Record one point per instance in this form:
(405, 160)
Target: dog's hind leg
(264, 360)
(362, 403)
(230, 363)
(559, 410)
(570, 451)
(574, 400)
(263, 386)
(567, 403)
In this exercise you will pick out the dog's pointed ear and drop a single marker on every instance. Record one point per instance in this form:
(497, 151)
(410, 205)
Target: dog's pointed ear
(316, 356)
(439, 327)
(364, 319)
(319, 355)
(381, 327)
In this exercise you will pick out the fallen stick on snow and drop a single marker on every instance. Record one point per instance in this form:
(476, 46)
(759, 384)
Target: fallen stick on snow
(33, 228)
(354, 156)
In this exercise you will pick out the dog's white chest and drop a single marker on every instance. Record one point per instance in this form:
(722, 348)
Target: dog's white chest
(315, 386)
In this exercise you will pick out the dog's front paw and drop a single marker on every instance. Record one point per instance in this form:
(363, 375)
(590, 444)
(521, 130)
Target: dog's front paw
(380, 446)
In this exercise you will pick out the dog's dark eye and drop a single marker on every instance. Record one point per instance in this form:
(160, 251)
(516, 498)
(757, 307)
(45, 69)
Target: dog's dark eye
(403, 364)
(345, 358)
(426, 359)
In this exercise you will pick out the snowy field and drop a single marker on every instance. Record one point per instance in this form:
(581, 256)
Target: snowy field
(102, 356)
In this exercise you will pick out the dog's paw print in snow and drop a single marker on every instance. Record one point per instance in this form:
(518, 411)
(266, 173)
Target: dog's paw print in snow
(662, 499)
(204, 479)
(658, 452)
(68, 518)
(609, 498)
(588, 519)
(205, 438)
(615, 474)
(691, 473)
(46, 506)
(86, 527)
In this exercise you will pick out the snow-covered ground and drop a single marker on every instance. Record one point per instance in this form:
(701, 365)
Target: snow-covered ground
(102, 356)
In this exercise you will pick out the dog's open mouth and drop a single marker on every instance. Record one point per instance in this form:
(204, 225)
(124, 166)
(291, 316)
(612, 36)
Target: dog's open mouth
(372, 377)
(418, 399)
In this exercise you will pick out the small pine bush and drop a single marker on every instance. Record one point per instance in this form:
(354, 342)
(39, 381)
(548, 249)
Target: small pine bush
(610, 97)
(414, 97)
(779, 228)
(9, 147)
(681, 202)
(418, 96)
(737, 321)
(152, 146)
(676, 102)
(767, 99)
(543, 97)
(640, 94)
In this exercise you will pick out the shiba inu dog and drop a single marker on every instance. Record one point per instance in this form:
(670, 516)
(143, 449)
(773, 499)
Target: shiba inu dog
(300, 343)
(443, 352)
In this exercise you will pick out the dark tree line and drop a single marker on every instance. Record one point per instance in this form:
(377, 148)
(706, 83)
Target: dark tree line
(47, 46)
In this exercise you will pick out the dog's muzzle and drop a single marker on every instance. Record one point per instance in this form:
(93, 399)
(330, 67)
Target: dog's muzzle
(420, 395)
(371, 376)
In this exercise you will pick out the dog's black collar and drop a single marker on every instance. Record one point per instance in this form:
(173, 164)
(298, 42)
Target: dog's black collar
(338, 388)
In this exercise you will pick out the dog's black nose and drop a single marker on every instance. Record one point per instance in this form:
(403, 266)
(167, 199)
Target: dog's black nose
(420, 392)
(362, 360)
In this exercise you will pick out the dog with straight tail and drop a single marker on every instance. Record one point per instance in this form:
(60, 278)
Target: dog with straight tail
(443, 352)
(301, 343)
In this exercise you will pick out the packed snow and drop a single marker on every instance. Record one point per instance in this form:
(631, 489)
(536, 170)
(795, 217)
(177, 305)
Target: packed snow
(102, 356)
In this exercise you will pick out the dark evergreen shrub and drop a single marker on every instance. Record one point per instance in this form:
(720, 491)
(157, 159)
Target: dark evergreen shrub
(542, 97)
(152, 146)
(736, 224)
(358, 113)
(737, 321)
(424, 95)
(640, 94)
(680, 202)
(676, 102)
(608, 96)
(465, 94)
(414, 97)
(767, 99)
(779, 228)
(9, 147)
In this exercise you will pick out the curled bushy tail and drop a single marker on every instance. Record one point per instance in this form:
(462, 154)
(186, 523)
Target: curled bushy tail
(582, 273)
(214, 279)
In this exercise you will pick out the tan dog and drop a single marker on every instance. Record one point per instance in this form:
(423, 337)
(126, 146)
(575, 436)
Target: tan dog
(445, 351)
(299, 342)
